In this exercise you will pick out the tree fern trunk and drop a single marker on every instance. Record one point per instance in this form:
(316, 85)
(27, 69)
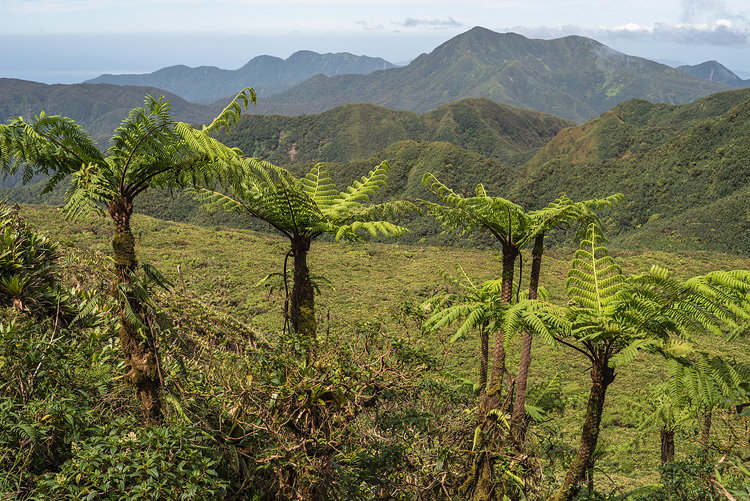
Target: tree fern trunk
(484, 336)
(302, 307)
(483, 487)
(519, 422)
(601, 377)
(494, 392)
(667, 446)
(137, 346)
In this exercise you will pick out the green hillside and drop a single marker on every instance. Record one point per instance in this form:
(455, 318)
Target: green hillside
(573, 77)
(99, 108)
(675, 164)
(669, 161)
(357, 131)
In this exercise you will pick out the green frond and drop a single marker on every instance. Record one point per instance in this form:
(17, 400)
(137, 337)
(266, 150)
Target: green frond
(49, 145)
(152, 274)
(448, 315)
(628, 354)
(594, 277)
(366, 188)
(373, 228)
(231, 114)
(543, 319)
(213, 201)
(319, 186)
(437, 187)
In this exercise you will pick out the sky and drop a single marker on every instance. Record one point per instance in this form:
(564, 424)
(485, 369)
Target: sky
(69, 41)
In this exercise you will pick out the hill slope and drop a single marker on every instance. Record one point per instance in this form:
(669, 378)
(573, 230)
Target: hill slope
(266, 74)
(684, 170)
(357, 131)
(98, 108)
(573, 77)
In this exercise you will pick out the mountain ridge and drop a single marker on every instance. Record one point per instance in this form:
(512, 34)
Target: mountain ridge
(355, 131)
(572, 77)
(99, 108)
(266, 74)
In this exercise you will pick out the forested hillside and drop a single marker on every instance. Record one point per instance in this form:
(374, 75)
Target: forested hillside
(357, 131)
(683, 169)
(98, 108)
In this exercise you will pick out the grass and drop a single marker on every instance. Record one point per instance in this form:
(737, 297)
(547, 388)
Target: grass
(373, 282)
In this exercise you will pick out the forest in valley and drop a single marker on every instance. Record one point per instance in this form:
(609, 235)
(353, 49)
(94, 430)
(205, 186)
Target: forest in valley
(333, 354)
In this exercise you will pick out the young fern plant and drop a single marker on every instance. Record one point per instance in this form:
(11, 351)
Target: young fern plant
(474, 307)
(611, 318)
(302, 210)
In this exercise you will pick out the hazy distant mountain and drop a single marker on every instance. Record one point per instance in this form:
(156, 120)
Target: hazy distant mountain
(712, 70)
(98, 108)
(266, 74)
(573, 77)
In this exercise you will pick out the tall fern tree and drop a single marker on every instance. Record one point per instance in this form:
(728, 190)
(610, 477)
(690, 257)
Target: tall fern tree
(513, 228)
(149, 149)
(612, 318)
(302, 210)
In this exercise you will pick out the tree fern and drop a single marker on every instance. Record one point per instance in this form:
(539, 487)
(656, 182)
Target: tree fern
(302, 210)
(149, 149)
(612, 318)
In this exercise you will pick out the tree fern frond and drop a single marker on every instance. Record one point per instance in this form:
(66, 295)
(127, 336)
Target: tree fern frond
(366, 188)
(545, 320)
(319, 186)
(231, 114)
(628, 354)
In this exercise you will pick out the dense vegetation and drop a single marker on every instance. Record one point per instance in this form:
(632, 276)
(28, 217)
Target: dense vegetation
(384, 405)
(359, 131)
(366, 373)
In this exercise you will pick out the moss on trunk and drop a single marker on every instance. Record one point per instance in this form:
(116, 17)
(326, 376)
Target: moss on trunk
(135, 341)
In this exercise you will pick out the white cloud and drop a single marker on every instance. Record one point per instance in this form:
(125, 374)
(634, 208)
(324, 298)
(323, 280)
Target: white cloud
(430, 23)
(722, 33)
(369, 26)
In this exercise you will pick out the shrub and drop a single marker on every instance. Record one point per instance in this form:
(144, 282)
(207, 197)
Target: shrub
(125, 461)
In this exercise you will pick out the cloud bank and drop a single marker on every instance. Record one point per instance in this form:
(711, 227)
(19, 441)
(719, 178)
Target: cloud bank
(721, 33)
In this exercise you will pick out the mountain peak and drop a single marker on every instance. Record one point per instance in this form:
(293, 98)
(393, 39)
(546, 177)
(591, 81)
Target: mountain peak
(715, 71)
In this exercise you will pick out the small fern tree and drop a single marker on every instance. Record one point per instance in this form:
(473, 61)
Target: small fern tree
(302, 210)
(149, 149)
(612, 318)
(476, 307)
(704, 383)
